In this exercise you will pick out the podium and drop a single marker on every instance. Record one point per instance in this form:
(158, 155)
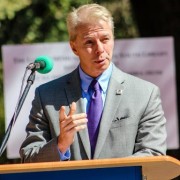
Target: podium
(133, 168)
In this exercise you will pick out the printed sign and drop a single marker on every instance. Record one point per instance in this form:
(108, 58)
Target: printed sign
(151, 59)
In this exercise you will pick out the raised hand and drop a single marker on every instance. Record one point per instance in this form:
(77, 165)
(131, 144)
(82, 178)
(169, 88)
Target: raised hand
(69, 125)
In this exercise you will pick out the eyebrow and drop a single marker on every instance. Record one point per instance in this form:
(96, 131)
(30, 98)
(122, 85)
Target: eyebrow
(91, 36)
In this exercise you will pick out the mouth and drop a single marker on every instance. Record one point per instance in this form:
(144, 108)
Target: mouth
(100, 61)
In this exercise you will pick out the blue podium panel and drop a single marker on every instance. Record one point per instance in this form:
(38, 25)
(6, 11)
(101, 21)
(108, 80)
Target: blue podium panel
(113, 173)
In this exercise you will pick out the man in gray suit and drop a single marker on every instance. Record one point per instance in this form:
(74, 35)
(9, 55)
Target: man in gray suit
(132, 122)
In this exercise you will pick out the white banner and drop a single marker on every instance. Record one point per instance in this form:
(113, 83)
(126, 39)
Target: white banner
(151, 59)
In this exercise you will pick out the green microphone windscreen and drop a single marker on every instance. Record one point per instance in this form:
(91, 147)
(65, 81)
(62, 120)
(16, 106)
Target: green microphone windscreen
(46, 64)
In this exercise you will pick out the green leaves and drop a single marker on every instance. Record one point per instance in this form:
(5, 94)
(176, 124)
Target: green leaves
(9, 8)
(31, 21)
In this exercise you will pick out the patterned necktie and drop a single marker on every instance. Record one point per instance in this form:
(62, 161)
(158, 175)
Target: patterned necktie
(94, 114)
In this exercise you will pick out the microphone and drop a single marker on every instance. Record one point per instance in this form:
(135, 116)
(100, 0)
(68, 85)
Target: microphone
(42, 64)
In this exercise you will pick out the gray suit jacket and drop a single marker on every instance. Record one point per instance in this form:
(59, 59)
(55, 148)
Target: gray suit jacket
(132, 123)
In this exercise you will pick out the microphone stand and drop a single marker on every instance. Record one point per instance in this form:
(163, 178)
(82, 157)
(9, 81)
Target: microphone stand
(30, 81)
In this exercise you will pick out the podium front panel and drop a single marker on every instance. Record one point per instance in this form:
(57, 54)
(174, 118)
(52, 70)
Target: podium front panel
(113, 173)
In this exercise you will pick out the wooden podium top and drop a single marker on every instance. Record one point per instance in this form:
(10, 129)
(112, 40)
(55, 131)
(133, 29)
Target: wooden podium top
(155, 167)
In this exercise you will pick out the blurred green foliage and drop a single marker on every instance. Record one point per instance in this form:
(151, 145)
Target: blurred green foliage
(31, 21)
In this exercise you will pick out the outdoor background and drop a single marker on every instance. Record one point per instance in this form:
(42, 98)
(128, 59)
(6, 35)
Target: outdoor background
(34, 21)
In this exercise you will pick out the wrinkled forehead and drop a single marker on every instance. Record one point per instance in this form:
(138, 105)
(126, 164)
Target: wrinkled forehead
(94, 25)
(94, 28)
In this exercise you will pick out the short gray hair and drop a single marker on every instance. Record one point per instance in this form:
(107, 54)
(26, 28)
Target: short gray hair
(86, 14)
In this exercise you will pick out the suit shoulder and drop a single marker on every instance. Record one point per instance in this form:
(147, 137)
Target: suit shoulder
(58, 83)
(139, 80)
(136, 82)
(141, 88)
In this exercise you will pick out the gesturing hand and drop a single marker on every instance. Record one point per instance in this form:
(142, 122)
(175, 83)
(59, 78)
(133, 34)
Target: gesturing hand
(69, 125)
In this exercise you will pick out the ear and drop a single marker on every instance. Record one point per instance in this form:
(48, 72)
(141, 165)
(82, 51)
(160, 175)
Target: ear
(73, 47)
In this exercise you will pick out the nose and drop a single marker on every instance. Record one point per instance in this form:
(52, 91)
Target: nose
(99, 48)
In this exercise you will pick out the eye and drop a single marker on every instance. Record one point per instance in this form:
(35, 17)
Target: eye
(106, 39)
(89, 42)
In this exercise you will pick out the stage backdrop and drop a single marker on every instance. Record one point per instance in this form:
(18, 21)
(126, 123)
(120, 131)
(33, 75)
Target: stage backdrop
(151, 59)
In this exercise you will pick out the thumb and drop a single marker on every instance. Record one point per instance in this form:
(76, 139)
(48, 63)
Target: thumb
(72, 108)
(62, 113)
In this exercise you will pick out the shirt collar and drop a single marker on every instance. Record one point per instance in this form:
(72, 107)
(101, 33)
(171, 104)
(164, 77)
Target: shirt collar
(103, 79)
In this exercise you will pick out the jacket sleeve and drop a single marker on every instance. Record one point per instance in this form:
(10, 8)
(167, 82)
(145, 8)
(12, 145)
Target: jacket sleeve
(39, 145)
(151, 136)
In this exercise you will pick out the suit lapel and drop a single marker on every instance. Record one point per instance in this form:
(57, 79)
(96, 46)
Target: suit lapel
(73, 93)
(113, 97)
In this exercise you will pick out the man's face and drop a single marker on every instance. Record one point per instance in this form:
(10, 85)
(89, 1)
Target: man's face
(94, 45)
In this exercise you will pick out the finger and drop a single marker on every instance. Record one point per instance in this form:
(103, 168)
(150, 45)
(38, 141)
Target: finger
(76, 117)
(72, 109)
(76, 123)
(62, 114)
(77, 128)
(72, 121)
(80, 127)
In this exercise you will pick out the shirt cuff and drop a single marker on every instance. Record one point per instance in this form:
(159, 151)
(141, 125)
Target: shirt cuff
(66, 156)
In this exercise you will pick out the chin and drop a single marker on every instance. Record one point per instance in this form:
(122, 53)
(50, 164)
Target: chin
(100, 71)
(105, 65)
